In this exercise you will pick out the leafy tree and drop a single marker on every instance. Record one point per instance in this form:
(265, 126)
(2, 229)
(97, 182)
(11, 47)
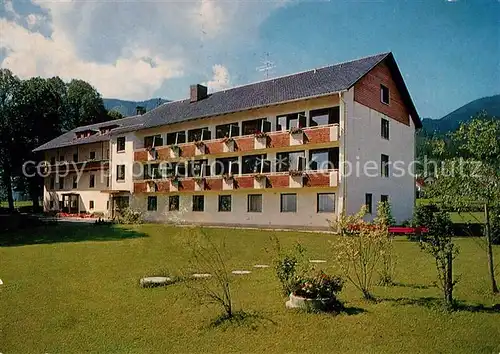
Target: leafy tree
(10, 94)
(84, 105)
(385, 219)
(112, 115)
(472, 178)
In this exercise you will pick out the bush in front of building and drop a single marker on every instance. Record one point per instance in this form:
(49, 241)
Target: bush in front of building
(129, 216)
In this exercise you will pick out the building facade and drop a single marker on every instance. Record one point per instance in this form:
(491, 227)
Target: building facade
(294, 151)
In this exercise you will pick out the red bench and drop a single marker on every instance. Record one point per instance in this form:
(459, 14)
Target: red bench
(405, 230)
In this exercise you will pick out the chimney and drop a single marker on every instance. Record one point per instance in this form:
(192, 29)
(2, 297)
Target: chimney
(140, 110)
(198, 92)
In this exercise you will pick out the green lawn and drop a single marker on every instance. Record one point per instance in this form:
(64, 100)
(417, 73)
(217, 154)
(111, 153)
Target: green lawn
(74, 289)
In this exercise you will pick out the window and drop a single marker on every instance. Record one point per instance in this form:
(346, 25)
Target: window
(384, 165)
(92, 155)
(75, 157)
(198, 202)
(384, 94)
(152, 203)
(199, 134)
(52, 183)
(286, 161)
(224, 203)
(173, 203)
(91, 181)
(368, 203)
(384, 198)
(51, 204)
(153, 140)
(289, 203)
(324, 116)
(120, 144)
(384, 128)
(326, 203)
(176, 138)
(107, 181)
(120, 172)
(107, 204)
(75, 182)
(255, 125)
(255, 203)
(53, 160)
(61, 182)
(324, 159)
(292, 120)
(256, 164)
(121, 202)
(151, 171)
(61, 158)
(229, 130)
(195, 168)
(226, 165)
(91, 204)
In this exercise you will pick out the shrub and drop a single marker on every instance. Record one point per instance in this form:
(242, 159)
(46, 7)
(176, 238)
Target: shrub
(129, 216)
(384, 219)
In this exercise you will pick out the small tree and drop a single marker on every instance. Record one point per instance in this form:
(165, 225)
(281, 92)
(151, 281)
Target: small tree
(359, 249)
(289, 265)
(209, 257)
(388, 261)
(438, 243)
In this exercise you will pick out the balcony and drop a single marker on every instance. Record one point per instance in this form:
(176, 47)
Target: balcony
(320, 135)
(71, 166)
(275, 180)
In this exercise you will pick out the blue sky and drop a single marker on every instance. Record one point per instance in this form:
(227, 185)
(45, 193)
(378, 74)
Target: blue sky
(448, 51)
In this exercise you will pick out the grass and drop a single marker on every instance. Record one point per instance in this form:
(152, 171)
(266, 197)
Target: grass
(74, 288)
(472, 217)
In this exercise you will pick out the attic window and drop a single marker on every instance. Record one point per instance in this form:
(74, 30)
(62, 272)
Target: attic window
(384, 94)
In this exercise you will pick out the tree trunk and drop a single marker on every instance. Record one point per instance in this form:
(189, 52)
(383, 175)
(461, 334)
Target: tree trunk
(449, 280)
(487, 231)
(34, 189)
(7, 182)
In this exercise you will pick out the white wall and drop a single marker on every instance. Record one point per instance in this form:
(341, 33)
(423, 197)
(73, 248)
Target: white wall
(123, 158)
(364, 143)
(306, 215)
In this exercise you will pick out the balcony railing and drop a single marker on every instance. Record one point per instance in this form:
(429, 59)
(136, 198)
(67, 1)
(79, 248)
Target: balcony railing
(273, 140)
(89, 165)
(303, 179)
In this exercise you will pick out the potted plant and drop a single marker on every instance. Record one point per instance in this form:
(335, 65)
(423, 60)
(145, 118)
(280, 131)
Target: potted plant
(316, 292)
(259, 134)
(295, 130)
(199, 180)
(199, 143)
(174, 179)
(227, 140)
(259, 176)
(227, 176)
(296, 173)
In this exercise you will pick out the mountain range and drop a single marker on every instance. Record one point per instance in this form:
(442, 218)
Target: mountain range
(448, 123)
(128, 108)
(451, 121)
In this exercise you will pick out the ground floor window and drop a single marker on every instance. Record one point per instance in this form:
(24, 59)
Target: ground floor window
(121, 202)
(198, 203)
(369, 202)
(152, 203)
(173, 203)
(326, 202)
(224, 203)
(91, 204)
(288, 203)
(255, 203)
(51, 204)
(384, 198)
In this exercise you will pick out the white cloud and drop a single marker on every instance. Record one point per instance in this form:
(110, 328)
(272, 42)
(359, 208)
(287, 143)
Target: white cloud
(220, 80)
(128, 49)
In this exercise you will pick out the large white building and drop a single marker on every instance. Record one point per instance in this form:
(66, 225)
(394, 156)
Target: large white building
(293, 151)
